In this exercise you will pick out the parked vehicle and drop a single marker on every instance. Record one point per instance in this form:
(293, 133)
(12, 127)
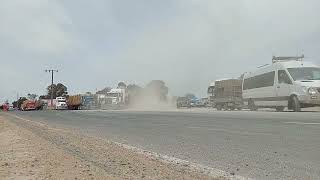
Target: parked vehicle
(116, 96)
(114, 99)
(227, 94)
(210, 93)
(183, 102)
(28, 105)
(11, 108)
(61, 103)
(287, 82)
(80, 102)
(74, 102)
(203, 102)
(5, 107)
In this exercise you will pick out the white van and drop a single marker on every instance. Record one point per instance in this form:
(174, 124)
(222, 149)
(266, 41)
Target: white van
(288, 82)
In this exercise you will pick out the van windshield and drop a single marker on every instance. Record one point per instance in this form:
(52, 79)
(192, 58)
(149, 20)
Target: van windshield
(305, 73)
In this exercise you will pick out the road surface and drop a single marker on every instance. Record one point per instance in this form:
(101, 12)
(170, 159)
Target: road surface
(260, 145)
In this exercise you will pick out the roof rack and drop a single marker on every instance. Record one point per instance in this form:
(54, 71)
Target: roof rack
(287, 58)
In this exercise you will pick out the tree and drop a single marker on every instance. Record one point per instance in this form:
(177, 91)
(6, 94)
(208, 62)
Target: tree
(133, 88)
(122, 85)
(57, 90)
(32, 96)
(134, 92)
(158, 89)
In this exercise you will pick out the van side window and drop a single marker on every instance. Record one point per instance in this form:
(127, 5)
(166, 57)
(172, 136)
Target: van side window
(259, 81)
(283, 77)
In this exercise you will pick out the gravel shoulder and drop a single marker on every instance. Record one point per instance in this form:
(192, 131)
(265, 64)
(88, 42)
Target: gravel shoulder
(30, 150)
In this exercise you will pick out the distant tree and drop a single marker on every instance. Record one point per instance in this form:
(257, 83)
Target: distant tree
(14, 104)
(104, 91)
(44, 97)
(122, 85)
(133, 87)
(134, 92)
(32, 96)
(57, 90)
(158, 88)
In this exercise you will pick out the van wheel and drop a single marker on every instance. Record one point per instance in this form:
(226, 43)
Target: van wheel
(295, 104)
(280, 109)
(252, 106)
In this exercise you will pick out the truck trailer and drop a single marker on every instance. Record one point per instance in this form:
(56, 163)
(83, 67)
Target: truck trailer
(227, 94)
(77, 102)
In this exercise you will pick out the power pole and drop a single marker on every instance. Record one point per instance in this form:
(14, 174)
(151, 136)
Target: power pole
(52, 71)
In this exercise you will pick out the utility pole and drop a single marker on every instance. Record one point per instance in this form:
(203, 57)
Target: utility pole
(52, 71)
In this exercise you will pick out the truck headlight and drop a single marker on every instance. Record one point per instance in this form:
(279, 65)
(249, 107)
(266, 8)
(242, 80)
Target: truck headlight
(312, 91)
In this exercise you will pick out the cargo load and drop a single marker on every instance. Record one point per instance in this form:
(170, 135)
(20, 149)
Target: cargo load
(228, 94)
(29, 105)
(78, 102)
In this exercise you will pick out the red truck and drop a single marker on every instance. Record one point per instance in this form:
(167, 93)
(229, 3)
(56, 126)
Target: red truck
(29, 105)
(5, 107)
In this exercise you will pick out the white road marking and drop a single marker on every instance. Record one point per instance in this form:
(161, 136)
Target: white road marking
(246, 133)
(302, 123)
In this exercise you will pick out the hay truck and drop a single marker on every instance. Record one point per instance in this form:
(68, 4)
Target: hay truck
(228, 94)
(77, 102)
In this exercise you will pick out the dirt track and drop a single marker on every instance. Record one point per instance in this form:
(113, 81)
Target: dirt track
(36, 151)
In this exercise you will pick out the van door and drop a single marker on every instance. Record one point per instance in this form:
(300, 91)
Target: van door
(284, 88)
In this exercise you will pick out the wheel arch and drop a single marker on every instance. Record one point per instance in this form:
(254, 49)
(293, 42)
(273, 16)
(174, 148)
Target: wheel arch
(290, 99)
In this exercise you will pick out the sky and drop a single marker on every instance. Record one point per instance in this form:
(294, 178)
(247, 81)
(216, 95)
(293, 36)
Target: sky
(186, 43)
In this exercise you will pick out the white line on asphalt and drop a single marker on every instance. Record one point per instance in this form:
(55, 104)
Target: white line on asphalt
(213, 172)
(38, 123)
(246, 133)
(302, 123)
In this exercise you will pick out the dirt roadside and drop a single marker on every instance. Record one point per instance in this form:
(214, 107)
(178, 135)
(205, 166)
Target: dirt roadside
(36, 151)
(24, 155)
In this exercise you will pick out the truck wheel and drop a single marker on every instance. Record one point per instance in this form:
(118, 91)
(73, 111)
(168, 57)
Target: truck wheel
(219, 107)
(295, 104)
(280, 109)
(252, 106)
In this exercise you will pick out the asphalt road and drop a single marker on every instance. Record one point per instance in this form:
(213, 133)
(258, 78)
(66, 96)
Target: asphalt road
(261, 145)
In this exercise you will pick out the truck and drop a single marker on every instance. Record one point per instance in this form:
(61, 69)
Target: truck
(115, 99)
(77, 102)
(5, 107)
(28, 105)
(61, 103)
(227, 94)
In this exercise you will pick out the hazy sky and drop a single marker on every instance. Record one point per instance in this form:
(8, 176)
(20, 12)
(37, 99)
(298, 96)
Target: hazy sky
(186, 43)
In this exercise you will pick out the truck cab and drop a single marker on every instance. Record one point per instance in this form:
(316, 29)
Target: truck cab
(116, 97)
(61, 103)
